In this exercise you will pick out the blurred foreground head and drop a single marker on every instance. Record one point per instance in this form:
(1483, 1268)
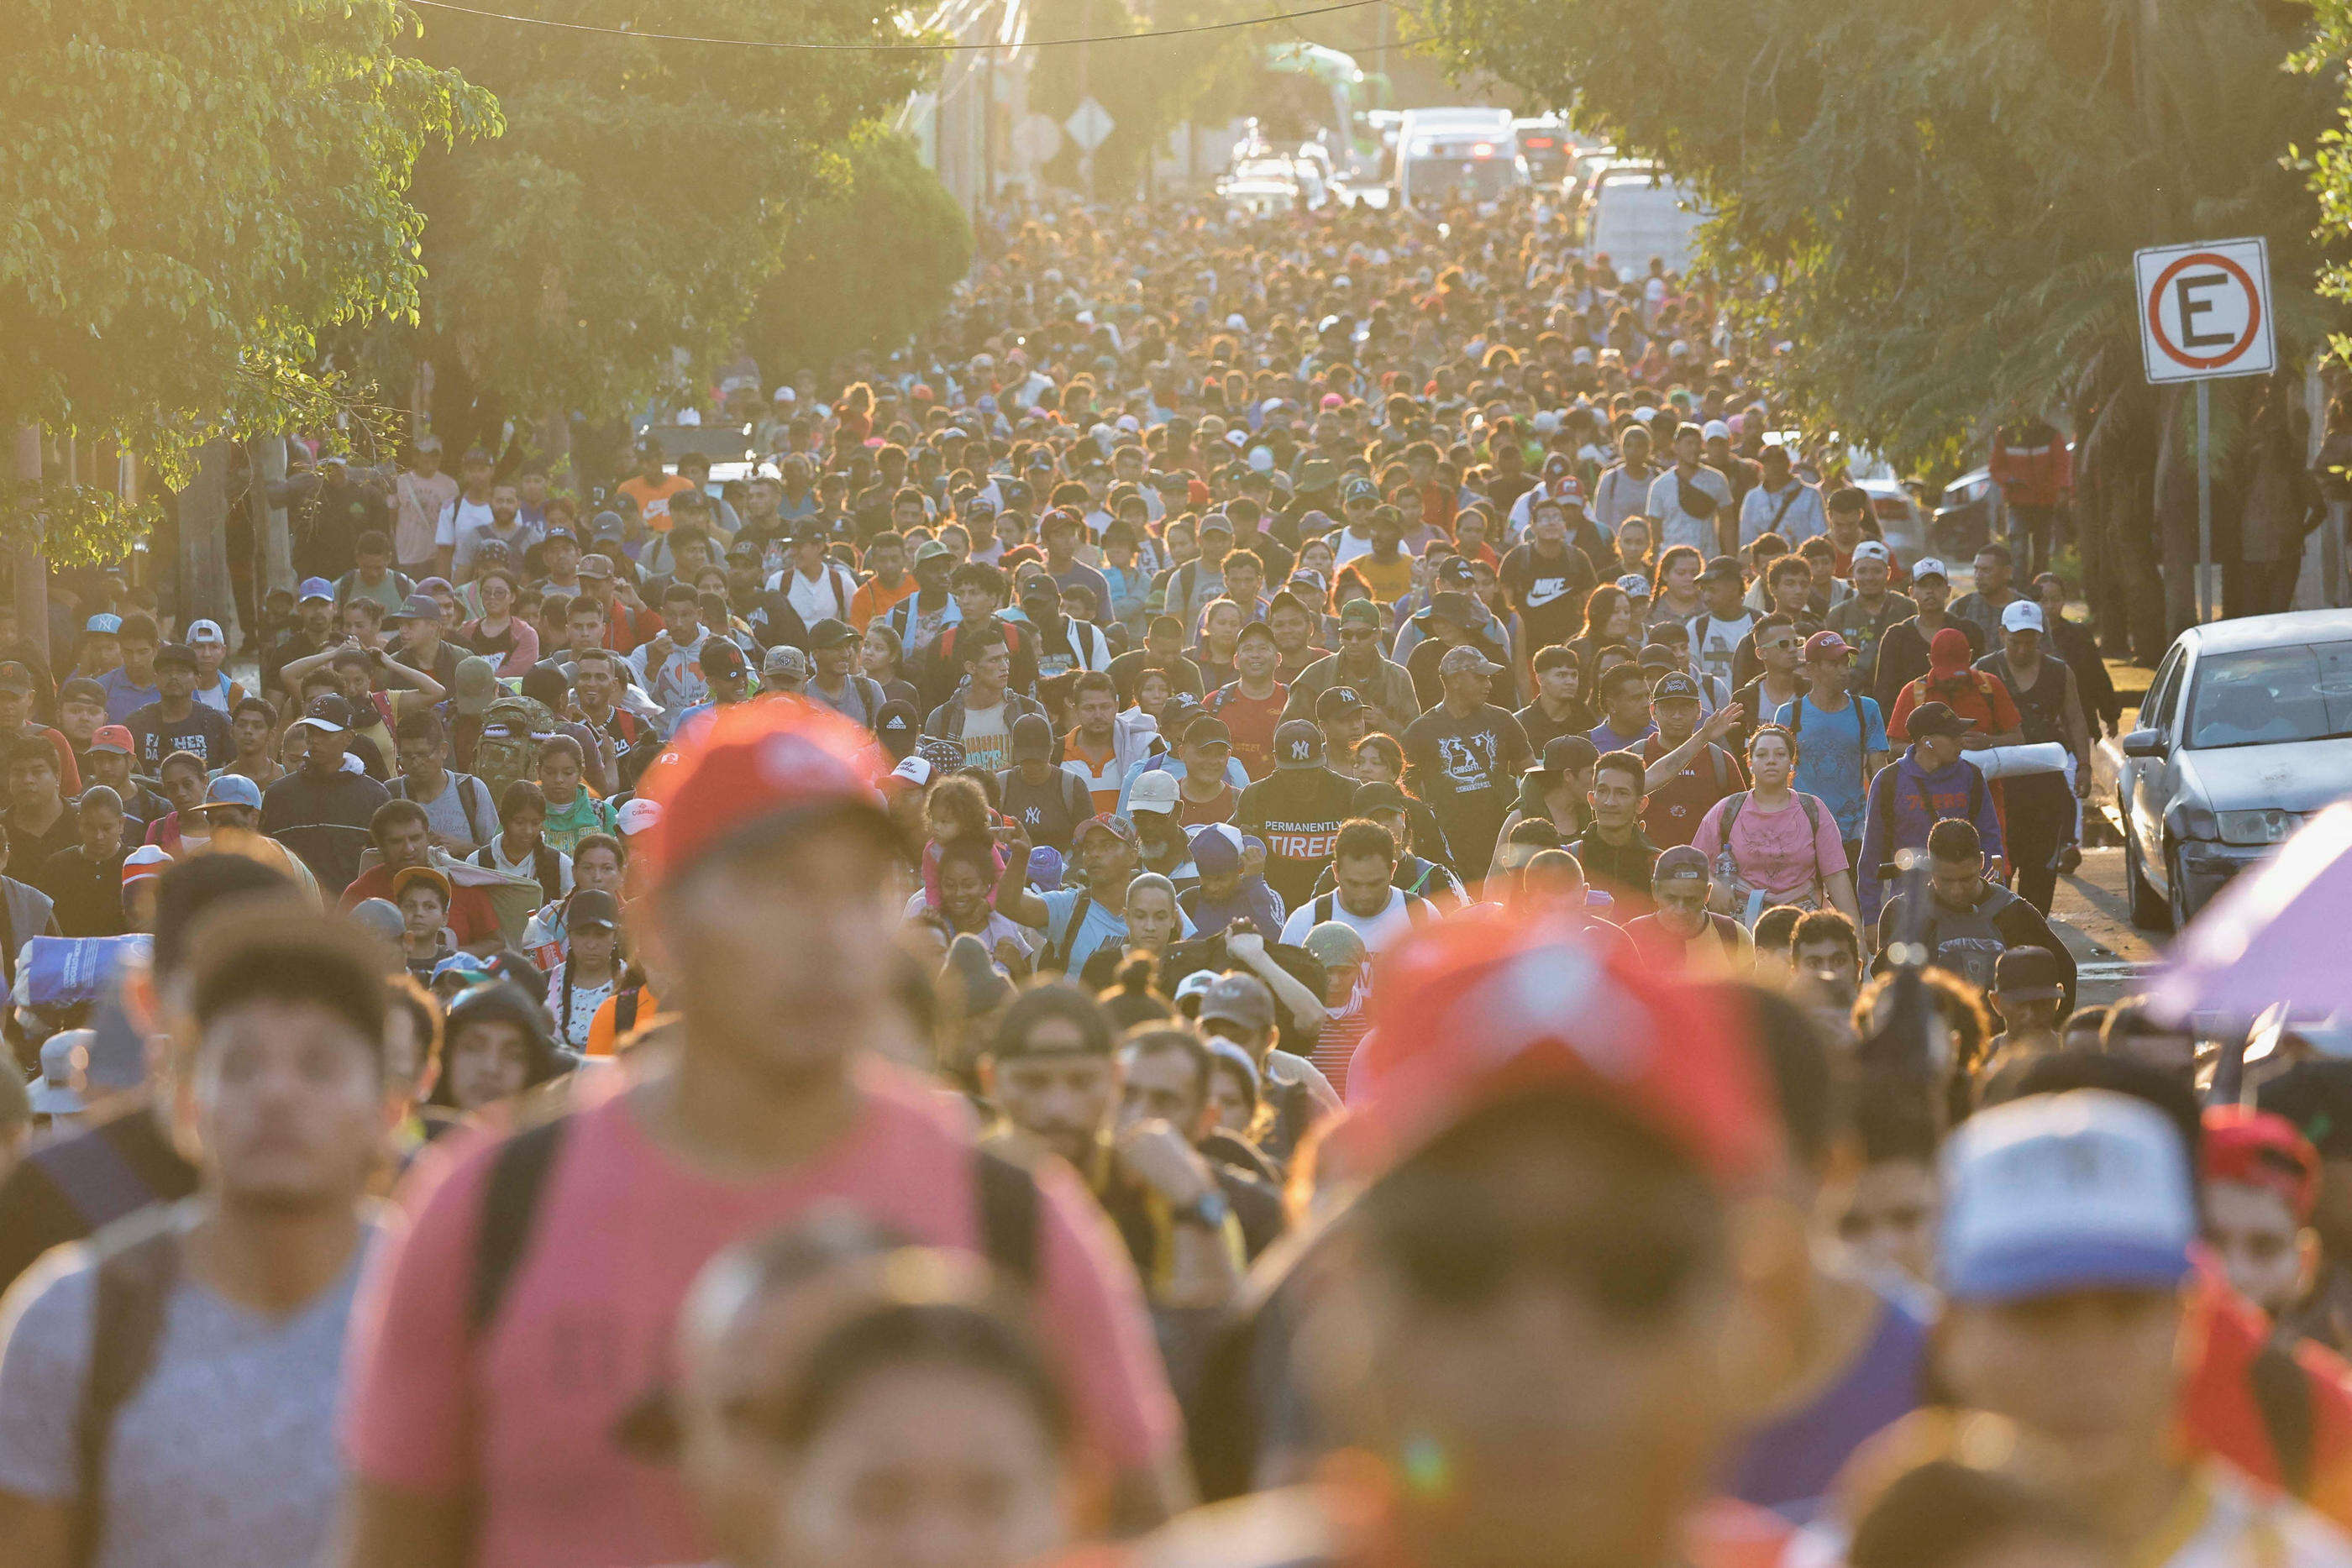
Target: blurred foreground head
(1548, 1335)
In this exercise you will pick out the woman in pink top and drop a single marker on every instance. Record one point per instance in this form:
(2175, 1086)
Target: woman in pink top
(1771, 844)
(500, 633)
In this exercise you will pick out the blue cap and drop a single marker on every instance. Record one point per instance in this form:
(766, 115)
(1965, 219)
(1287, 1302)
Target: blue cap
(1046, 866)
(109, 624)
(465, 964)
(233, 789)
(317, 588)
(2054, 1193)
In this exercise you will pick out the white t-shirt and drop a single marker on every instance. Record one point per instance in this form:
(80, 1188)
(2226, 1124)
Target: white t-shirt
(986, 738)
(1403, 911)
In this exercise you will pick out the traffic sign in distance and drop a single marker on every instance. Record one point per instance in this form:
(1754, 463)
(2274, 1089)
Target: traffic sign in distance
(1090, 125)
(2205, 310)
(1037, 139)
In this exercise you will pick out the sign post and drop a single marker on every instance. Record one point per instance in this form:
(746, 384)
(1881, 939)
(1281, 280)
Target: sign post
(2205, 313)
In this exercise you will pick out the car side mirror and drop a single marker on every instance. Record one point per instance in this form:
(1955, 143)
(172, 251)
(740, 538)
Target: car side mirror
(2144, 743)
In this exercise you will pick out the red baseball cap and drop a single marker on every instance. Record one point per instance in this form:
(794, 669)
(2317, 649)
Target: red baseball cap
(755, 765)
(2261, 1148)
(1474, 1010)
(1826, 645)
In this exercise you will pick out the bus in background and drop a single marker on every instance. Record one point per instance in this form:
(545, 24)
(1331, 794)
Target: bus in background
(1443, 154)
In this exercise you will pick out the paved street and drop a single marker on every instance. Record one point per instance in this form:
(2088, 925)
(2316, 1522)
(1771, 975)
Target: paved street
(2093, 917)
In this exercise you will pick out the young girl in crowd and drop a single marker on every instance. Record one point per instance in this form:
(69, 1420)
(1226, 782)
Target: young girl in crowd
(881, 658)
(957, 810)
(590, 967)
(596, 867)
(494, 1047)
(499, 634)
(519, 850)
(572, 811)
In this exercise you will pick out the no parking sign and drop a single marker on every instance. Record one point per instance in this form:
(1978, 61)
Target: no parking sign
(2205, 310)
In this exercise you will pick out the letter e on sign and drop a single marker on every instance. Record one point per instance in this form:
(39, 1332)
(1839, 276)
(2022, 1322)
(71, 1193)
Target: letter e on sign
(2205, 310)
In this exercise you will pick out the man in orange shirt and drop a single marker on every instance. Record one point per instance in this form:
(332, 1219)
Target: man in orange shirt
(650, 489)
(888, 581)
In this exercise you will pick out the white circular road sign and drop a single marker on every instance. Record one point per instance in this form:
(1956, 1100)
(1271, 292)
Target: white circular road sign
(2205, 310)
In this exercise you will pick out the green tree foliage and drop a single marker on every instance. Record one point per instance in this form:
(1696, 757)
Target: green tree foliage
(866, 264)
(643, 194)
(1948, 192)
(188, 195)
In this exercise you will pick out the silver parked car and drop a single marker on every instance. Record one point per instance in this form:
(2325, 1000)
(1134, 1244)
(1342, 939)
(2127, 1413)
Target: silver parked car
(2246, 730)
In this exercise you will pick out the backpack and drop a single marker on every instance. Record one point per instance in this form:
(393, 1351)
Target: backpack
(1860, 733)
(508, 746)
(1882, 807)
(546, 869)
(457, 781)
(1728, 867)
(1006, 1191)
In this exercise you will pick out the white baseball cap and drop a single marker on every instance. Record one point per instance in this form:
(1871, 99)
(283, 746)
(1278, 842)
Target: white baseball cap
(1928, 566)
(2023, 615)
(1155, 791)
(635, 815)
(1715, 427)
(2053, 1193)
(205, 631)
(1871, 549)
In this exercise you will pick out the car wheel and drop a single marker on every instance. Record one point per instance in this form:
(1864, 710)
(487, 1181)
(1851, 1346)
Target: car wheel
(2175, 893)
(2148, 912)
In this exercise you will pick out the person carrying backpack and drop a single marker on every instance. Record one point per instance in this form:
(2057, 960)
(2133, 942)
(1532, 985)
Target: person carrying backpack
(1772, 845)
(1931, 781)
(169, 1390)
(762, 1108)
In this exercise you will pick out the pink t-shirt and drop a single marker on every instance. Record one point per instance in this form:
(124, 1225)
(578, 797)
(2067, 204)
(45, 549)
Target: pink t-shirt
(1780, 852)
(525, 1417)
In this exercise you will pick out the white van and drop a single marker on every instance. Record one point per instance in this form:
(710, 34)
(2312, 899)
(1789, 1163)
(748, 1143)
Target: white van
(1635, 213)
(1445, 153)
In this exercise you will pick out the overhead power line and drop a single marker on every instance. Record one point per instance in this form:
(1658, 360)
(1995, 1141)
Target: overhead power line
(895, 49)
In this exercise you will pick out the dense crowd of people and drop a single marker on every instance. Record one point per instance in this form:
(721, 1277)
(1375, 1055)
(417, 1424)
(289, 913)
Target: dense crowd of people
(1300, 892)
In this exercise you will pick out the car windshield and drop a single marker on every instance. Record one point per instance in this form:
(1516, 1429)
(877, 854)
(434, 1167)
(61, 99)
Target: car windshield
(2265, 695)
(1475, 177)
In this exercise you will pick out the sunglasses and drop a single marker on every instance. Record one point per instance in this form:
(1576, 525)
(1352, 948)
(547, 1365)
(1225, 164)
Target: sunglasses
(1459, 1253)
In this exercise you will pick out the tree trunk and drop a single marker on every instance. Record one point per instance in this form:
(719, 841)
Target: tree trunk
(552, 442)
(274, 565)
(203, 538)
(32, 563)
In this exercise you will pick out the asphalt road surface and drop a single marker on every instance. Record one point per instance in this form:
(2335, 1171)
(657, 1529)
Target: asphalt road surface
(2093, 917)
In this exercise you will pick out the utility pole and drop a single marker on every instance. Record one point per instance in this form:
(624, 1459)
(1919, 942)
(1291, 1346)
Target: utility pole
(1085, 155)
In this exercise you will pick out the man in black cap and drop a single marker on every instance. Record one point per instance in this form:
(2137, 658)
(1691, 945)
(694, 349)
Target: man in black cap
(1046, 802)
(726, 674)
(1297, 810)
(1703, 772)
(2029, 992)
(1931, 781)
(321, 813)
(897, 728)
(1343, 718)
(176, 721)
(1680, 933)
(833, 649)
(1717, 635)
